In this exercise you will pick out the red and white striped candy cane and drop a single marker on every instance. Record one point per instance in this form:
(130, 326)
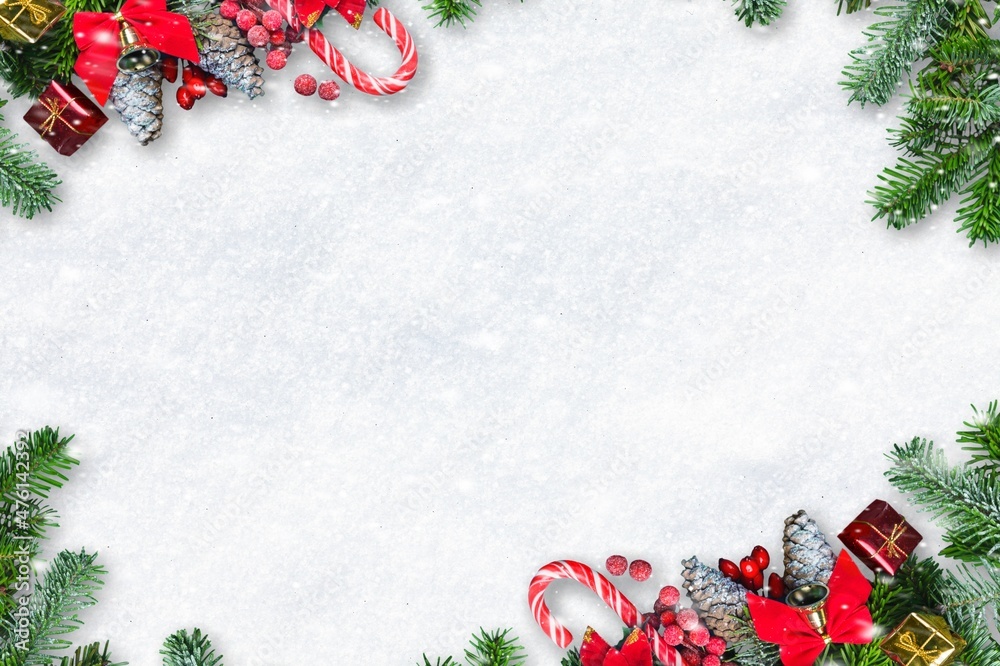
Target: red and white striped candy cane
(328, 53)
(618, 602)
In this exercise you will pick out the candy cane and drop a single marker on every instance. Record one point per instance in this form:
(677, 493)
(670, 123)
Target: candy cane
(618, 602)
(328, 53)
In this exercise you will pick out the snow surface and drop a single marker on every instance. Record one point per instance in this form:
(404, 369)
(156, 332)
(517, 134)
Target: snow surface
(601, 281)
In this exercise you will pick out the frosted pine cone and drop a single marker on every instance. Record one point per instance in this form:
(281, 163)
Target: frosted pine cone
(138, 99)
(808, 556)
(718, 600)
(226, 54)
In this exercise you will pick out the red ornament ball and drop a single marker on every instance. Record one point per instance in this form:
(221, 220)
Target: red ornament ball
(276, 59)
(711, 660)
(329, 90)
(616, 565)
(687, 619)
(699, 636)
(271, 20)
(305, 84)
(668, 617)
(229, 9)
(245, 19)
(716, 646)
(669, 595)
(258, 36)
(640, 570)
(673, 635)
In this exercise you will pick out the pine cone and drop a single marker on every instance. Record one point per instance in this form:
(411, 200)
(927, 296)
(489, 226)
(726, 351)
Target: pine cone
(138, 99)
(227, 55)
(808, 557)
(718, 600)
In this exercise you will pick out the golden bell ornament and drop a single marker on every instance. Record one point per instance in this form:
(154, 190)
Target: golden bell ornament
(136, 54)
(809, 601)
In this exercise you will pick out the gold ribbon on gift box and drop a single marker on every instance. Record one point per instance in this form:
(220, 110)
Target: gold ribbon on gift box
(56, 115)
(892, 548)
(923, 640)
(37, 14)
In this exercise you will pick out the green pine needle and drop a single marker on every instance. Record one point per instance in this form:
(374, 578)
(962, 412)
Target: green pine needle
(189, 649)
(90, 655)
(45, 455)
(26, 186)
(494, 649)
(761, 12)
(447, 662)
(983, 436)
(449, 12)
(853, 5)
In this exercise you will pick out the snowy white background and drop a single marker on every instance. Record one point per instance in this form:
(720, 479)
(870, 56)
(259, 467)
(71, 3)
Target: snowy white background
(601, 281)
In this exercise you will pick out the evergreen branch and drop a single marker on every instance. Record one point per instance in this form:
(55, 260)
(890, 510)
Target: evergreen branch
(961, 51)
(955, 111)
(748, 649)
(68, 586)
(887, 608)
(979, 215)
(761, 12)
(970, 624)
(494, 649)
(967, 500)
(914, 187)
(896, 43)
(983, 436)
(853, 5)
(90, 655)
(25, 184)
(194, 649)
(447, 662)
(36, 463)
(572, 658)
(449, 12)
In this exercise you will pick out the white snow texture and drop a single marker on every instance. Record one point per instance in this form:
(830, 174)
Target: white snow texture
(602, 280)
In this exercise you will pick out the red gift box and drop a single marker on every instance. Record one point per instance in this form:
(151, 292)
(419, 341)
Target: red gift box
(881, 538)
(65, 117)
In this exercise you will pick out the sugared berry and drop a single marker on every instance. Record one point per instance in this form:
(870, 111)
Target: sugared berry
(305, 84)
(668, 617)
(329, 90)
(271, 20)
(673, 635)
(669, 595)
(229, 9)
(699, 636)
(640, 570)
(276, 59)
(715, 645)
(710, 660)
(258, 36)
(691, 656)
(277, 37)
(245, 19)
(616, 565)
(687, 619)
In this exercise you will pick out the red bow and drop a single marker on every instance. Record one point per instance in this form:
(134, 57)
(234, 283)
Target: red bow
(97, 37)
(847, 617)
(309, 10)
(636, 650)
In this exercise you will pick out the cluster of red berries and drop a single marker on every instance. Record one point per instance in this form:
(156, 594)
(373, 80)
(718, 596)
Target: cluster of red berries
(195, 82)
(750, 573)
(683, 629)
(639, 570)
(266, 28)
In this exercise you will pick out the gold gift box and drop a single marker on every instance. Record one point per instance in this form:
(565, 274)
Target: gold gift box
(28, 20)
(922, 640)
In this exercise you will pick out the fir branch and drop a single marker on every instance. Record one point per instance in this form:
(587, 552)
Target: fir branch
(68, 587)
(761, 12)
(90, 655)
(983, 436)
(895, 44)
(887, 609)
(966, 499)
(853, 5)
(449, 12)
(43, 456)
(955, 111)
(427, 662)
(25, 184)
(494, 649)
(194, 649)
(748, 649)
(572, 658)
(914, 187)
(979, 214)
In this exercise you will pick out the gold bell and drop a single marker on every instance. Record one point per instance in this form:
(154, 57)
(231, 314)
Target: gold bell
(809, 601)
(136, 53)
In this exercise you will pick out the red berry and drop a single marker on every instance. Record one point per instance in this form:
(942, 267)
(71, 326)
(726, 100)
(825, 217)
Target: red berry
(691, 656)
(271, 20)
(294, 36)
(673, 635)
(169, 68)
(258, 36)
(197, 87)
(305, 84)
(329, 90)
(716, 646)
(276, 59)
(616, 564)
(775, 587)
(669, 595)
(699, 635)
(711, 660)
(687, 619)
(761, 557)
(668, 617)
(216, 86)
(640, 570)
(758, 583)
(245, 19)
(229, 9)
(277, 37)
(651, 619)
(184, 98)
(729, 569)
(749, 568)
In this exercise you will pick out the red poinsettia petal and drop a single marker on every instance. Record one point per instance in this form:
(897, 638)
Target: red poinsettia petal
(594, 649)
(636, 650)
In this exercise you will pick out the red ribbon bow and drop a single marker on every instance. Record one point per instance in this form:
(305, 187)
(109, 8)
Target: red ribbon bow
(309, 10)
(636, 650)
(847, 617)
(96, 35)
